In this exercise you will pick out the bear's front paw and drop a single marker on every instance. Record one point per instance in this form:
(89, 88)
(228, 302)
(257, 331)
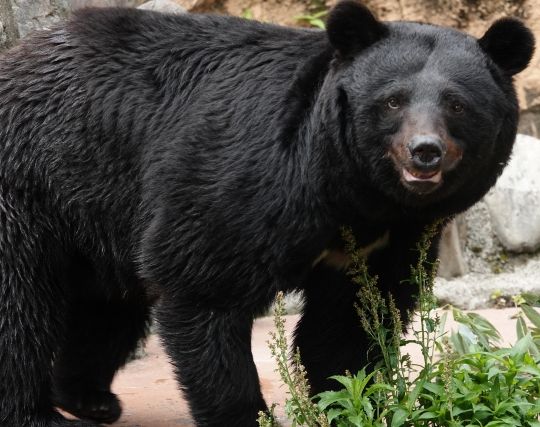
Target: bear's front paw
(52, 419)
(73, 423)
(99, 406)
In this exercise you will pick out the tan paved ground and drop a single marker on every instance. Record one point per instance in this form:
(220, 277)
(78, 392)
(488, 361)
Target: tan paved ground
(151, 399)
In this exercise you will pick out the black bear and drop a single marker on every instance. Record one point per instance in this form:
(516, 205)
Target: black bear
(200, 164)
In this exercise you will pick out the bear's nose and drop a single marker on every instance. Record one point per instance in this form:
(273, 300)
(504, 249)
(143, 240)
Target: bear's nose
(426, 152)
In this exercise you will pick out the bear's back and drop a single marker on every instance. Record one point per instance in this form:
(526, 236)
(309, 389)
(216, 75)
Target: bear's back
(79, 104)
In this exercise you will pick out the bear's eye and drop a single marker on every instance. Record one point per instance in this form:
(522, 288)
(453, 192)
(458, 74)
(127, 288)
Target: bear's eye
(392, 103)
(457, 107)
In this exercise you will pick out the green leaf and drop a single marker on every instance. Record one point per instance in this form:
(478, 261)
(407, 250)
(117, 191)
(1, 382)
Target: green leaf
(413, 396)
(428, 416)
(531, 314)
(328, 398)
(494, 393)
(531, 299)
(343, 380)
(479, 326)
(530, 369)
(376, 388)
(460, 343)
(357, 420)
(458, 411)
(493, 371)
(368, 408)
(430, 324)
(535, 351)
(521, 328)
(434, 388)
(399, 417)
(442, 323)
(521, 346)
(333, 414)
(318, 23)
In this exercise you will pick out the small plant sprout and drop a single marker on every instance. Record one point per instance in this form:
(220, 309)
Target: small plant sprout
(247, 13)
(315, 19)
(299, 406)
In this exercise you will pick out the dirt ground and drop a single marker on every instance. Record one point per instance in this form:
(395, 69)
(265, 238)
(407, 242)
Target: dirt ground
(151, 399)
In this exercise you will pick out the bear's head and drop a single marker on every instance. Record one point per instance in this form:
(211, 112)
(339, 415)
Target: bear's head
(431, 112)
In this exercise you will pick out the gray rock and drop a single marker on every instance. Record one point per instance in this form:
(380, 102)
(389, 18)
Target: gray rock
(167, 6)
(469, 244)
(196, 5)
(514, 202)
(31, 15)
(3, 36)
(529, 121)
(483, 252)
(452, 262)
(498, 215)
(9, 32)
(474, 290)
(77, 4)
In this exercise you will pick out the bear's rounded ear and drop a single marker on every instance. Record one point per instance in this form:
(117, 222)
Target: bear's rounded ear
(351, 27)
(510, 44)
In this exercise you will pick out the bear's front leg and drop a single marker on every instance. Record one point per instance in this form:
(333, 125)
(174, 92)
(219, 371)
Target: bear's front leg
(329, 335)
(211, 352)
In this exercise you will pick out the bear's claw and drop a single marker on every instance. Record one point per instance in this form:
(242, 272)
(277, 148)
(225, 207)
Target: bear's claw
(100, 406)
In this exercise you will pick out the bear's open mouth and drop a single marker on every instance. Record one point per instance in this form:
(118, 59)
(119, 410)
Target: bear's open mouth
(412, 176)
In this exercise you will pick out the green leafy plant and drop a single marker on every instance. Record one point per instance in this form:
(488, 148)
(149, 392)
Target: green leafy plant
(481, 384)
(465, 379)
(358, 404)
(315, 19)
(247, 13)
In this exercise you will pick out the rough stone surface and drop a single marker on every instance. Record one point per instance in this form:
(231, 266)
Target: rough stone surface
(514, 202)
(9, 32)
(178, 6)
(469, 245)
(452, 262)
(3, 36)
(77, 4)
(31, 15)
(167, 6)
(505, 223)
(474, 290)
(196, 5)
(285, 12)
(528, 83)
(483, 252)
(529, 122)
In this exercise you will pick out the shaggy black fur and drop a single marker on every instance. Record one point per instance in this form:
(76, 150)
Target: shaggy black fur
(207, 162)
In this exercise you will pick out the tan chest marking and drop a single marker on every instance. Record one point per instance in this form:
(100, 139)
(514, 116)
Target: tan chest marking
(339, 260)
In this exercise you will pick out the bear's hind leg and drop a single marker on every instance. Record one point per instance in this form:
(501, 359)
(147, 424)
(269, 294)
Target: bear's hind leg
(32, 310)
(103, 332)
